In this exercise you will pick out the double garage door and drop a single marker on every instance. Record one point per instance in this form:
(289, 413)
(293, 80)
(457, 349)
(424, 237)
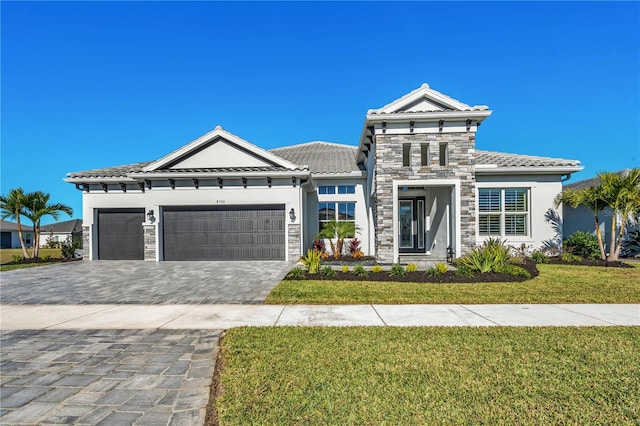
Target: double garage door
(201, 233)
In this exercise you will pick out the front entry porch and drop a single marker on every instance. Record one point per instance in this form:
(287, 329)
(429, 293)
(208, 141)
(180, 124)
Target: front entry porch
(426, 226)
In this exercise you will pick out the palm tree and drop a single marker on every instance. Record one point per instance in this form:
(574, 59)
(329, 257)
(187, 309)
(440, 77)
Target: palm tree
(12, 207)
(622, 194)
(36, 207)
(339, 231)
(592, 198)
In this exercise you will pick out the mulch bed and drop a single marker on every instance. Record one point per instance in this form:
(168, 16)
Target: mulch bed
(422, 277)
(40, 260)
(590, 262)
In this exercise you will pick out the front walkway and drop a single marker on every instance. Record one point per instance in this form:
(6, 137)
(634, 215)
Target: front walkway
(181, 317)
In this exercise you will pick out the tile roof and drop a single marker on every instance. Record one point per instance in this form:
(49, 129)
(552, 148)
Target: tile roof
(501, 159)
(321, 157)
(7, 226)
(74, 225)
(110, 172)
(594, 181)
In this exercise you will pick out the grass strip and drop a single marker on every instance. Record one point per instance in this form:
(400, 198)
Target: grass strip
(412, 376)
(555, 284)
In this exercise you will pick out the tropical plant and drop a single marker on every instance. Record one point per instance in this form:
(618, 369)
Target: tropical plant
(68, 247)
(37, 206)
(631, 244)
(514, 270)
(482, 259)
(397, 271)
(583, 244)
(592, 198)
(432, 272)
(464, 271)
(441, 267)
(297, 273)
(354, 246)
(622, 194)
(12, 207)
(328, 271)
(357, 254)
(376, 269)
(319, 245)
(359, 271)
(412, 267)
(539, 257)
(312, 261)
(338, 231)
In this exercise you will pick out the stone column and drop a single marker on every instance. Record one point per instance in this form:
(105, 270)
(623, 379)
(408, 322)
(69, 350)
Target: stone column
(86, 242)
(294, 241)
(149, 242)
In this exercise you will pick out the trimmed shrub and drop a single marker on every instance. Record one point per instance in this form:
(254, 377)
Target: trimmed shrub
(345, 268)
(359, 271)
(514, 270)
(397, 271)
(539, 257)
(582, 244)
(412, 267)
(376, 269)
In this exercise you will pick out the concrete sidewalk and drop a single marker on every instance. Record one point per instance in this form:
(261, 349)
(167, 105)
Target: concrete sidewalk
(173, 317)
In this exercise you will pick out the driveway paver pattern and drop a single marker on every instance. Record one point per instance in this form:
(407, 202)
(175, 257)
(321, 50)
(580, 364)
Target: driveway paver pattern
(139, 282)
(106, 377)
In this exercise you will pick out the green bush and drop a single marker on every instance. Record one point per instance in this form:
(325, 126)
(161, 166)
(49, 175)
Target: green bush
(312, 261)
(328, 271)
(464, 271)
(345, 268)
(539, 257)
(570, 257)
(482, 259)
(397, 271)
(441, 267)
(68, 248)
(514, 270)
(412, 267)
(46, 257)
(359, 271)
(376, 269)
(583, 244)
(297, 273)
(17, 258)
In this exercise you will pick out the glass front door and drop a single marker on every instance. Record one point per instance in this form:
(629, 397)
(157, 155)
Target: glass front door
(411, 227)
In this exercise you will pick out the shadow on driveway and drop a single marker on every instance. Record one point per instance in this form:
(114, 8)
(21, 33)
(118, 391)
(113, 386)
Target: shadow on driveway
(106, 282)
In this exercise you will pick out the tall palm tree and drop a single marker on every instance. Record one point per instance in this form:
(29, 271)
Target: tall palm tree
(36, 207)
(622, 194)
(592, 198)
(12, 207)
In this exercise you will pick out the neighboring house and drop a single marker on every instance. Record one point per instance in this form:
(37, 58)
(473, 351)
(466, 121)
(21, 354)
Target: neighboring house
(415, 186)
(60, 231)
(582, 219)
(9, 235)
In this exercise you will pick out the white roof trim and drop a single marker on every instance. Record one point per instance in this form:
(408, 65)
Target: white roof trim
(425, 91)
(487, 169)
(218, 132)
(429, 116)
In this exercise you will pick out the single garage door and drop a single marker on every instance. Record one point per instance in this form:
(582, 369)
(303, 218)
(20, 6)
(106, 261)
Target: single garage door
(120, 234)
(224, 233)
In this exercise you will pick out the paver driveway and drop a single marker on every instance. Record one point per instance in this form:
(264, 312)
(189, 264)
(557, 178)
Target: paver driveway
(105, 282)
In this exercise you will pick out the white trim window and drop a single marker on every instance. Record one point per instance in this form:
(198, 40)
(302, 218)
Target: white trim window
(503, 212)
(338, 211)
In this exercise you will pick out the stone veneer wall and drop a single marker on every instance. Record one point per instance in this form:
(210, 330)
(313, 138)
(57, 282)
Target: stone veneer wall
(294, 241)
(461, 147)
(149, 242)
(86, 242)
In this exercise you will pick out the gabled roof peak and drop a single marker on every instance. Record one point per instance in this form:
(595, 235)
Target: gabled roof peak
(425, 99)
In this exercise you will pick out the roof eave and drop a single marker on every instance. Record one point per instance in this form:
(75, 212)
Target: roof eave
(528, 170)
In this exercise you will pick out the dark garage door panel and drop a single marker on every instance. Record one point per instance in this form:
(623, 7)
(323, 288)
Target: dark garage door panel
(120, 234)
(224, 233)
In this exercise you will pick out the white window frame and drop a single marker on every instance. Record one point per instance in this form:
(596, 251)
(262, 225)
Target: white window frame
(503, 213)
(337, 212)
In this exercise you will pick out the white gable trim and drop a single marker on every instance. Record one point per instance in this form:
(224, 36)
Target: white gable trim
(218, 132)
(425, 91)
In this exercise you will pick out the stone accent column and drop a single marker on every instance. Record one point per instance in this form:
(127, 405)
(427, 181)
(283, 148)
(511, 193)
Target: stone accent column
(294, 241)
(149, 242)
(86, 242)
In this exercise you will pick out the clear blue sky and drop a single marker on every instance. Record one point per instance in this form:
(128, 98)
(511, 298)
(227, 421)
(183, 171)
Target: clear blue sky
(97, 84)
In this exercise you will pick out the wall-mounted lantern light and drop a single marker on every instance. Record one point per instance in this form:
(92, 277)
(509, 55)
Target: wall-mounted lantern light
(150, 217)
(292, 215)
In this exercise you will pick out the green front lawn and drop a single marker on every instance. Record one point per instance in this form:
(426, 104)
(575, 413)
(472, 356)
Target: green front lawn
(6, 255)
(417, 376)
(555, 284)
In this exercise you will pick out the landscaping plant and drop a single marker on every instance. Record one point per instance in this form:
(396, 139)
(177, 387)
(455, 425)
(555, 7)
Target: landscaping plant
(338, 231)
(297, 273)
(312, 261)
(354, 246)
(482, 259)
(359, 271)
(345, 268)
(583, 244)
(412, 267)
(397, 271)
(328, 271)
(376, 269)
(539, 257)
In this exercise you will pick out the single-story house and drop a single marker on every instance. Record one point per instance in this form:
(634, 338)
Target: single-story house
(60, 231)
(415, 185)
(582, 219)
(9, 235)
